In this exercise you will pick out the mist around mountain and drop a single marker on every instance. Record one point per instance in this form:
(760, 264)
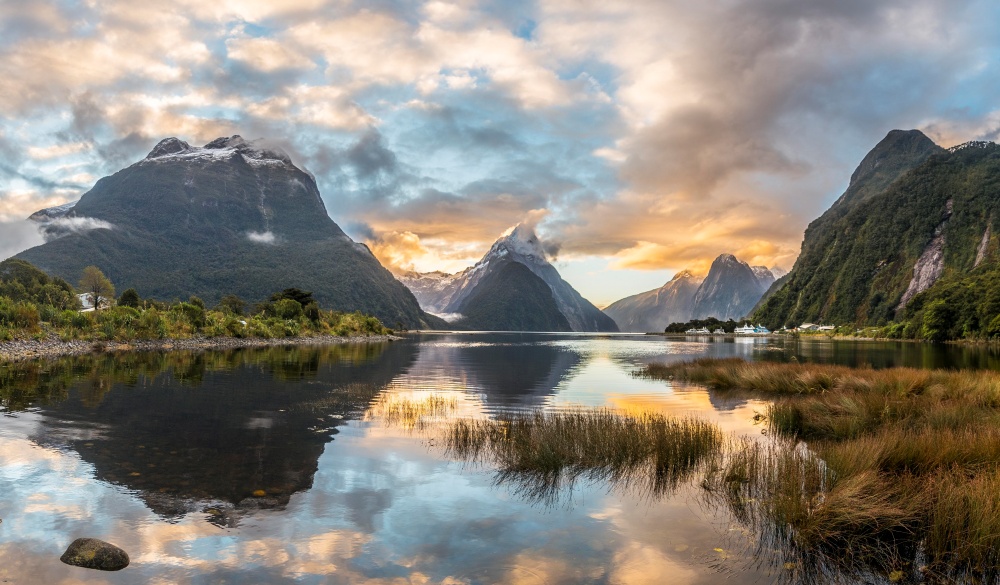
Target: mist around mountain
(231, 217)
(915, 219)
(730, 290)
(461, 296)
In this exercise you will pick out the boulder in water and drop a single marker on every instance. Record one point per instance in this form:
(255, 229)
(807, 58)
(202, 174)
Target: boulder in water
(91, 553)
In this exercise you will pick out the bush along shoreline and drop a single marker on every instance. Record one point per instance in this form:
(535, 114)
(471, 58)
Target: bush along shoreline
(40, 316)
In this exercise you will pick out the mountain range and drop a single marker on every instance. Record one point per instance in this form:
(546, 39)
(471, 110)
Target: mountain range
(730, 290)
(497, 292)
(230, 217)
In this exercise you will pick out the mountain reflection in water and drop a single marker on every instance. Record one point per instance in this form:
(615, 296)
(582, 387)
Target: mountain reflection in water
(275, 466)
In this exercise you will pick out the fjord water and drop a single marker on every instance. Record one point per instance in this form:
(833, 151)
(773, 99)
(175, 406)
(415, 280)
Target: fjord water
(286, 465)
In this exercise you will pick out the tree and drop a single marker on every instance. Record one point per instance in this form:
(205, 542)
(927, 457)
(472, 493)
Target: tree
(298, 295)
(129, 298)
(232, 304)
(97, 286)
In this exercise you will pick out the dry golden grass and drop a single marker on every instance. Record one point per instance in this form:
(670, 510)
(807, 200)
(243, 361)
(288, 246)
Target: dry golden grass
(410, 413)
(540, 453)
(902, 466)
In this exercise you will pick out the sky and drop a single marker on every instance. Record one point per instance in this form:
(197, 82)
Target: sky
(640, 138)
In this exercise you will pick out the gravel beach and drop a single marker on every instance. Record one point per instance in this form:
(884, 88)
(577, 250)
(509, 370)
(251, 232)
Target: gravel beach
(26, 349)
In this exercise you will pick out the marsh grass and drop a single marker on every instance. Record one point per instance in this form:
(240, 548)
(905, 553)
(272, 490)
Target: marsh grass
(901, 475)
(542, 453)
(411, 414)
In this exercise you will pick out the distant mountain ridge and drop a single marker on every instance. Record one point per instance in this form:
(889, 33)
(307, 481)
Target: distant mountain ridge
(654, 310)
(233, 216)
(457, 294)
(730, 290)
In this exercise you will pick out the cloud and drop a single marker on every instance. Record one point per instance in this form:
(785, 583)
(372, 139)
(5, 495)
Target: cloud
(266, 55)
(19, 204)
(64, 226)
(397, 250)
(57, 150)
(267, 237)
(658, 134)
(17, 236)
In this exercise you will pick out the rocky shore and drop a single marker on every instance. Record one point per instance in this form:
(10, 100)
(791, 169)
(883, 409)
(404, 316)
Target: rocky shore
(26, 349)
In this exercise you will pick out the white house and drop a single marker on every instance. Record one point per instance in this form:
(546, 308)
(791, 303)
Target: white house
(87, 301)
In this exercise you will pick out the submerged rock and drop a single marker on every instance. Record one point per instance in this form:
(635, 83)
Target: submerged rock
(91, 553)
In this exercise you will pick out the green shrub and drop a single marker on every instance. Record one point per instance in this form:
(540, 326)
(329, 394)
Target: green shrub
(19, 315)
(129, 298)
(287, 309)
(193, 314)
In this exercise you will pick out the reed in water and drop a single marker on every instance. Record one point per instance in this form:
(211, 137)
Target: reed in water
(897, 469)
(542, 452)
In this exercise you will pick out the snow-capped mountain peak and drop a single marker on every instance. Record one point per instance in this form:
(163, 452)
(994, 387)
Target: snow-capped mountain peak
(520, 241)
(255, 152)
(446, 294)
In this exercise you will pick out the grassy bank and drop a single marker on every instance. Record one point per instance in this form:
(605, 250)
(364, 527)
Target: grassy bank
(902, 470)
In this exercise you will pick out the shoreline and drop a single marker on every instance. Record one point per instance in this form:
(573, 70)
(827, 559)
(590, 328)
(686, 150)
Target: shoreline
(29, 349)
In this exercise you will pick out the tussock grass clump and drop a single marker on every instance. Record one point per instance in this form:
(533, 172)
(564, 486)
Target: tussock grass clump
(411, 414)
(542, 452)
(902, 467)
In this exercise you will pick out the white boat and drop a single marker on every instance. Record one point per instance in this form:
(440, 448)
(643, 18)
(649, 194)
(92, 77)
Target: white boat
(702, 331)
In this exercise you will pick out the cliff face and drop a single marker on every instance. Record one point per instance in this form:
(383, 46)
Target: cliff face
(869, 257)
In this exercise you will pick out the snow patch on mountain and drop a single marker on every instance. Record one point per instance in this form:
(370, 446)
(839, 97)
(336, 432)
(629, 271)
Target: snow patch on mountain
(51, 213)
(256, 153)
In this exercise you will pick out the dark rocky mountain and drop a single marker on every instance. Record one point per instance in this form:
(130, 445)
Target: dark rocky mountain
(447, 294)
(914, 213)
(230, 217)
(654, 310)
(730, 291)
(512, 298)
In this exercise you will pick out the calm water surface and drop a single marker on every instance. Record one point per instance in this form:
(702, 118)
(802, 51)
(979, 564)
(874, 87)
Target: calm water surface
(284, 465)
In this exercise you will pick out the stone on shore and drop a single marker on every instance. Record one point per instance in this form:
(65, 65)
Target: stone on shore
(91, 553)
